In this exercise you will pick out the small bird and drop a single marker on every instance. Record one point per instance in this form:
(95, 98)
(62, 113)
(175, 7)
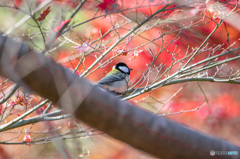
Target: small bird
(117, 79)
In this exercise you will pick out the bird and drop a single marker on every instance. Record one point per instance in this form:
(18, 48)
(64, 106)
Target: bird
(117, 79)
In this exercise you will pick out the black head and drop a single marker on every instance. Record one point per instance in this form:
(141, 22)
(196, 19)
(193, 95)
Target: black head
(123, 68)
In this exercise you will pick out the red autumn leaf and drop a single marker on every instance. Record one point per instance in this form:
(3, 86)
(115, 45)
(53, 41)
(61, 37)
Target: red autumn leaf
(58, 28)
(18, 3)
(44, 14)
(27, 138)
(106, 4)
(1, 109)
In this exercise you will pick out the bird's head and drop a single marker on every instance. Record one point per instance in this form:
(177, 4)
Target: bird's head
(122, 67)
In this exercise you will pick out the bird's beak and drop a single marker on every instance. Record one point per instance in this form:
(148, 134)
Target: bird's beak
(130, 69)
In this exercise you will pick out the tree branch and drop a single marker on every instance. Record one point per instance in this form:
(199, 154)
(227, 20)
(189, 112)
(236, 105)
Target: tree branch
(27, 17)
(36, 119)
(6, 126)
(96, 107)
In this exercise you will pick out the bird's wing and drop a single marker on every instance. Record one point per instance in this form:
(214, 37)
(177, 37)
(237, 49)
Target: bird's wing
(113, 77)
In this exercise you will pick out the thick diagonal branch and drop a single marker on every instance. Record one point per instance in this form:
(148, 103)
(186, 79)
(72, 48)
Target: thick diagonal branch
(141, 129)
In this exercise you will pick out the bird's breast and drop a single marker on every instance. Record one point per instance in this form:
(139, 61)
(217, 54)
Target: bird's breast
(118, 86)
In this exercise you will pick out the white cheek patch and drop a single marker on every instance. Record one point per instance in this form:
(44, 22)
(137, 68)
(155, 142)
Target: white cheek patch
(124, 69)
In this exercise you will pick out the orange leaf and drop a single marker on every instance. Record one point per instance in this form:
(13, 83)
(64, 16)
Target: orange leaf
(27, 138)
(44, 14)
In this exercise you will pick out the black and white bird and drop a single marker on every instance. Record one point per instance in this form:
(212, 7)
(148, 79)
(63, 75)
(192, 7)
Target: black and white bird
(117, 79)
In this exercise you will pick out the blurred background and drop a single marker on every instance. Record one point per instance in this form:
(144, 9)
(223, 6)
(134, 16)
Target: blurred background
(167, 38)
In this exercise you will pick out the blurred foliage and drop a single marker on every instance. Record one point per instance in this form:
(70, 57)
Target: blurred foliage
(180, 30)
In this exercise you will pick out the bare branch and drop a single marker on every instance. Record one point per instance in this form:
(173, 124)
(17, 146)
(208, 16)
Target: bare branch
(104, 111)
